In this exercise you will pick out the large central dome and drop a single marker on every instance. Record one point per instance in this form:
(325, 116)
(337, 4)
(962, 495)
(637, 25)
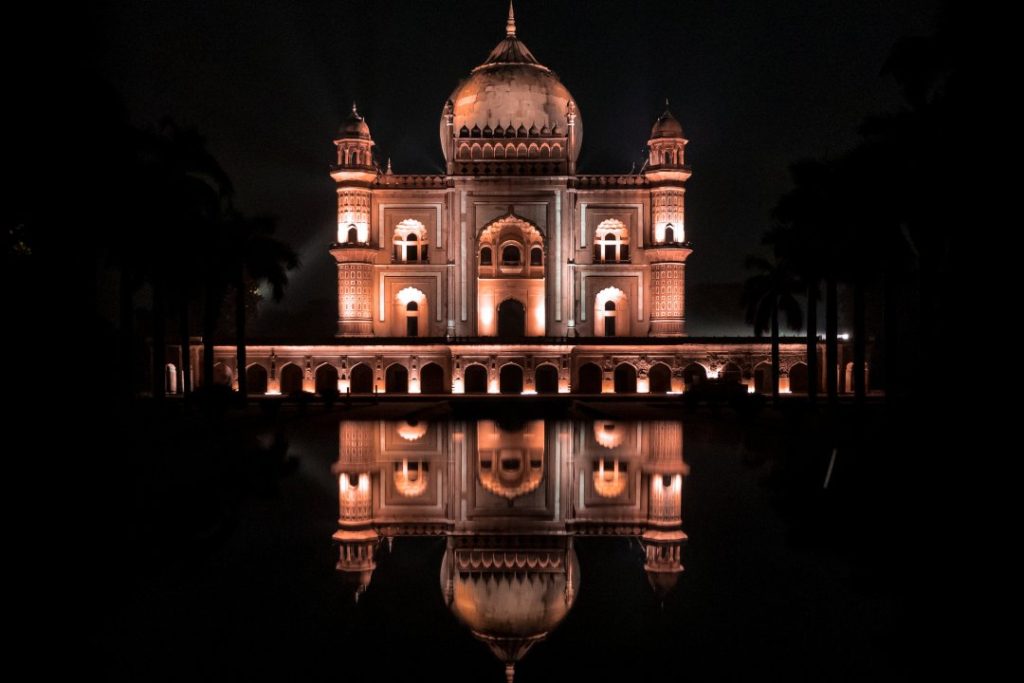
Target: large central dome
(511, 89)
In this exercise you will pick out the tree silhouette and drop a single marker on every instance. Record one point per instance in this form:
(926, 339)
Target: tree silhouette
(258, 258)
(765, 294)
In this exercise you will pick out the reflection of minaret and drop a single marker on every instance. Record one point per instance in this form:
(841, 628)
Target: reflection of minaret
(511, 591)
(357, 540)
(664, 536)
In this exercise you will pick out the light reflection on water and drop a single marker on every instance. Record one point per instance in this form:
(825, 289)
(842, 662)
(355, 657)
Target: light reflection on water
(510, 498)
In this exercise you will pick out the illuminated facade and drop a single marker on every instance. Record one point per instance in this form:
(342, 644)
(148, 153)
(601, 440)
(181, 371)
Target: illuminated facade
(510, 500)
(511, 272)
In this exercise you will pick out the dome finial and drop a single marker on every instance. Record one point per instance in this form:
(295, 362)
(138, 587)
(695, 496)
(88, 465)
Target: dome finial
(510, 25)
(355, 112)
(666, 104)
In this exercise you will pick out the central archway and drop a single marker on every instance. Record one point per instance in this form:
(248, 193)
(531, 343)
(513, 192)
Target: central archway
(589, 379)
(510, 379)
(511, 319)
(546, 379)
(432, 379)
(362, 379)
(625, 379)
(475, 379)
(396, 379)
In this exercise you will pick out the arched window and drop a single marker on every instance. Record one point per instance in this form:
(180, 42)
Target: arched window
(412, 317)
(353, 234)
(510, 255)
(611, 247)
(410, 243)
(670, 234)
(536, 256)
(609, 318)
(485, 256)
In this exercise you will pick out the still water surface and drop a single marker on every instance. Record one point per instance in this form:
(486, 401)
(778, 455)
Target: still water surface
(484, 549)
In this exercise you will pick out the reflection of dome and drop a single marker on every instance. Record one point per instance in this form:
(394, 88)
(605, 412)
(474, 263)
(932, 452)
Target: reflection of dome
(354, 126)
(667, 126)
(662, 582)
(512, 91)
(510, 598)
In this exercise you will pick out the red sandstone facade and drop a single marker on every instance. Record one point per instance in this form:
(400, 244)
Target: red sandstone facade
(510, 272)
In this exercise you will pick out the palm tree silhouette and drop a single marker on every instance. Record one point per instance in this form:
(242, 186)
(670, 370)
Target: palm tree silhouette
(764, 295)
(258, 257)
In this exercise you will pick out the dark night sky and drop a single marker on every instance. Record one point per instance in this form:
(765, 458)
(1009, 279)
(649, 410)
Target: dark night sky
(757, 85)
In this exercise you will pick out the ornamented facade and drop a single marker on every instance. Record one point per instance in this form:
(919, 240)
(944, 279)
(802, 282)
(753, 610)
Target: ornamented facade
(511, 272)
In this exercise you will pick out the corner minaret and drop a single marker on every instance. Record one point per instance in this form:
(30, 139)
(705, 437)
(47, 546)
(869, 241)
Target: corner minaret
(354, 172)
(667, 173)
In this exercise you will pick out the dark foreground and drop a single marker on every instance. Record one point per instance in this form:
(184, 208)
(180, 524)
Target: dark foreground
(204, 552)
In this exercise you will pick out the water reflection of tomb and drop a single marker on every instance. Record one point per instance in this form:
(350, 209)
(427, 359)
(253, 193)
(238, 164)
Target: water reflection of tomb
(510, 499)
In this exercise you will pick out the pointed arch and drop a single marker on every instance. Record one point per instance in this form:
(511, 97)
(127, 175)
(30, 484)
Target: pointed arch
(798, 378)
(475, 379)
(361, 379)
(590, 379)
(611, 313)
(326, 379)
(410, 242)
(291, 379)
(660, 378)
(694, 375)
(546, 379)
(510, 379)
(432, 379)
(256, 379)
(396, 379)
(611, 242)
(625, 379)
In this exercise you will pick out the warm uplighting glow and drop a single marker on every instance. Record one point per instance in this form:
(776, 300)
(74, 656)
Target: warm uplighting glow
(486, 317)
(412, 431)
(510, 463)
(538, 314)
(354, 496)
(347, 486)
(643, 385)
(678, 231)
(410, 294)
(609, 434)
(411, 481)
(609, 483)
(345, 224)
(712, 374)
(528, 392)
